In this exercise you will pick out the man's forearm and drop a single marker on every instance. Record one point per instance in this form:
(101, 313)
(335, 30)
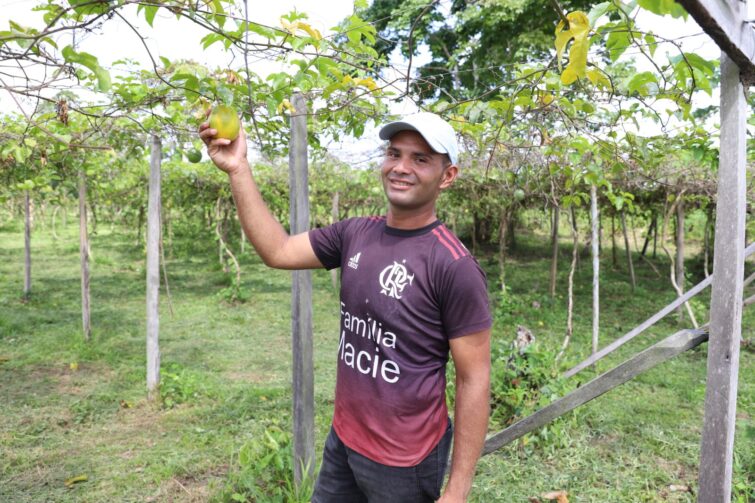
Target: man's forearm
(265, 233)
(471, 416)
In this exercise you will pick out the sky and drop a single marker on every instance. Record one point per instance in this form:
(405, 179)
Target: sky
(181, 40)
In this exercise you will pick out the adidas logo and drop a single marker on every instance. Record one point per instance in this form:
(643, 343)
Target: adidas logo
(354, 261)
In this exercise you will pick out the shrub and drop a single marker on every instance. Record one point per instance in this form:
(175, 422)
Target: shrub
(264, 472)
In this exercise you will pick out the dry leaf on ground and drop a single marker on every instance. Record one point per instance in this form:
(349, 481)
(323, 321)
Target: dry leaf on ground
(559, 496)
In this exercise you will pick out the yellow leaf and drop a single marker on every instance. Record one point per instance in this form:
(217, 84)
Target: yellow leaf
(568, 76)
(290, 27)
(74, 366)
(562, 38)
(312, 32)
(598, 78)
(579, 29)
(74, 480)
(368, 83)
(285, 104)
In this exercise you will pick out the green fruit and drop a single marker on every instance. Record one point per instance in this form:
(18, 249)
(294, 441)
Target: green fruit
(519, 194)
(194, 155)
(225, 121)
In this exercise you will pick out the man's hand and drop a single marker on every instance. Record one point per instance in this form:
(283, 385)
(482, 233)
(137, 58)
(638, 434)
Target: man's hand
(447, 498)
(229, 156)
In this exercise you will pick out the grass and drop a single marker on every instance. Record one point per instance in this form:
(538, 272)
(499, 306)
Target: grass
(73, 408)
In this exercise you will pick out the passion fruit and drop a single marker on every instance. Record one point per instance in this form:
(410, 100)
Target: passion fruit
(194, 155)
(225, 121)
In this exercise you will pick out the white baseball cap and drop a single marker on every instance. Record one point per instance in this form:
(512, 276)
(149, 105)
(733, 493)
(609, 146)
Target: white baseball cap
(437, 132)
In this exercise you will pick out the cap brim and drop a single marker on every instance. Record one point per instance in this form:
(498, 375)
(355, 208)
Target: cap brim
(387, 132)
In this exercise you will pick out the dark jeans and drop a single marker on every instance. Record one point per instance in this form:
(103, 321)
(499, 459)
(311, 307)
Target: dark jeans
(348, 477)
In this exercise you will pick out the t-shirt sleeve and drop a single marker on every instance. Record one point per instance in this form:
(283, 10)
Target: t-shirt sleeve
(327, 242)
(465, 307)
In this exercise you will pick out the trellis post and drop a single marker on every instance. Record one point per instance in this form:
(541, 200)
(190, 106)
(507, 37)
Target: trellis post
(153, 271)
(717, 447)
(301, 301)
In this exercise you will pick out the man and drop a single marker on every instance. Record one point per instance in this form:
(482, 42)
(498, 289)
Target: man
(411, 292)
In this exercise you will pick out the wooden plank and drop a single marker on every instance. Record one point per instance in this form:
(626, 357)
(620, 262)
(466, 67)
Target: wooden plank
(725, 21)
(153, 271)
(301, 301)
(717, 449)
(651, 357)
(647, 323)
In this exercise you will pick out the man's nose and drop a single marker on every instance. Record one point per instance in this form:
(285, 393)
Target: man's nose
(401, 165)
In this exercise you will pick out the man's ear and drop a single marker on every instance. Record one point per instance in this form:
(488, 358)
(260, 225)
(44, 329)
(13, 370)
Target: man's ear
(449, 175)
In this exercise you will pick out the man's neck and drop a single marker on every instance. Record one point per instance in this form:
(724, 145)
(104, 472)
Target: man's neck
(410, 220)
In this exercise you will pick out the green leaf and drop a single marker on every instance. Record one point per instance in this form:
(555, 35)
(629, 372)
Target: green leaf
(87, 7)
(651, 42)
(641, 83)
(617, 42)
(664, 8)
(705, 66)
(90, 62)
(210, 39)
(262, 30)
(149, 13)
(599, 10)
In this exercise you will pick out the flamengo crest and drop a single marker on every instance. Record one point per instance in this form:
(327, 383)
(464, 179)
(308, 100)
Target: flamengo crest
(394, 279)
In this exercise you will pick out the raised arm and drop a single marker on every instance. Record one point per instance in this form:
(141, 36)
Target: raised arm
(471, 355)
(273, 244)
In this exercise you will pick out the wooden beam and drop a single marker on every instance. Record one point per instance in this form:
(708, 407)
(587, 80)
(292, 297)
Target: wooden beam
(717, 449)
(647, 323)
(301, 302)
(651, 357)
(725, 21)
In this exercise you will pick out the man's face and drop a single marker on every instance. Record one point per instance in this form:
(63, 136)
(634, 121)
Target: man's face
(413, 174)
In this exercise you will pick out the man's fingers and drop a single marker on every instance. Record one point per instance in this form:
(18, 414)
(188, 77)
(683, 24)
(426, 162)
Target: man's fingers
(219, 142)
(207, 134)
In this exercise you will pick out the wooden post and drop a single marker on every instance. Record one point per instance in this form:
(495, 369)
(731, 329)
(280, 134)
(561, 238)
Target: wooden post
(27, 245)
(301, 301)
(153, 272)
(334, 217)
(554, 250)
(84, 256)
(595, 267)
(679, 273)
(502, 228)
(614, 260)
(717, 447)
(628, 250)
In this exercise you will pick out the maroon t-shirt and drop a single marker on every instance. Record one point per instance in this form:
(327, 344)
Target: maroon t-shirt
(404, 294)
